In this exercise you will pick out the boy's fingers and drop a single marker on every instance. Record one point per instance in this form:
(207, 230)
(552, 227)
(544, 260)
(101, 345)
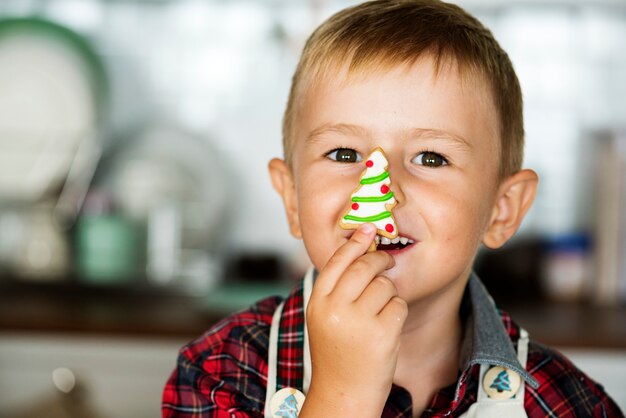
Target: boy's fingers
(377, 294)
(356, 246)
(359, 275)
(394, 312)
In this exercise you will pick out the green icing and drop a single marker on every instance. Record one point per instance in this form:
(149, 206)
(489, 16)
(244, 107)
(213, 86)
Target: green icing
(375, 179)
(373, 218)
(383, 198)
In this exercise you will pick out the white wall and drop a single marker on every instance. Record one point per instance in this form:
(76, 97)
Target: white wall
(222, 69)
(608, 367)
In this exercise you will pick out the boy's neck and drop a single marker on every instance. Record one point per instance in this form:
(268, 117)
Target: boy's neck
(430, 345)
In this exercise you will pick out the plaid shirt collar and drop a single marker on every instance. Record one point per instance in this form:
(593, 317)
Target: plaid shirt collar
(486, 341)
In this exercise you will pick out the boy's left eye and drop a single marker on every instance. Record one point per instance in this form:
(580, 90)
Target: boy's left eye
(430, 159)
(344, 155)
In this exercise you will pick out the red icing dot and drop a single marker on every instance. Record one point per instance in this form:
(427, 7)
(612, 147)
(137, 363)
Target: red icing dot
(384, 189)
(389, 228)
(369, 163)
(355, 206)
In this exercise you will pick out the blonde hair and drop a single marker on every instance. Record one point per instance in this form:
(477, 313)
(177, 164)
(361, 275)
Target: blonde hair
(382, 34)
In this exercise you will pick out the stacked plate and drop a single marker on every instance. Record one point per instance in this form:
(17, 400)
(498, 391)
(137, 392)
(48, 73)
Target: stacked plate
(52, 88)
(51, 105)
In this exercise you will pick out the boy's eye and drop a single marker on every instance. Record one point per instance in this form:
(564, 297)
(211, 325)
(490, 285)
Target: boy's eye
(430, 159)
(345, 155)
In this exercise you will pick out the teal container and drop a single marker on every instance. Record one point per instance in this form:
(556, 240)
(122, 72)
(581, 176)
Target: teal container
(107, 250)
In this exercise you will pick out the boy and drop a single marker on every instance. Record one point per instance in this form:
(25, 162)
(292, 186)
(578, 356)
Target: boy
(407, 330)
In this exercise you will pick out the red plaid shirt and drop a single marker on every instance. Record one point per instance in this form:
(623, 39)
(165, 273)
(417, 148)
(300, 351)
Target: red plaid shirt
(223, 373)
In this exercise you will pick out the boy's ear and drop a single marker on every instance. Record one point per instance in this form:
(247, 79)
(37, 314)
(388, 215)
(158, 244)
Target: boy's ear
(282, 180)
(515, 196)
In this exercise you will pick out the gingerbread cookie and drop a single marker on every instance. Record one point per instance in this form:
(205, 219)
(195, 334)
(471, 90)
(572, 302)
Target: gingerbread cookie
(373, 199)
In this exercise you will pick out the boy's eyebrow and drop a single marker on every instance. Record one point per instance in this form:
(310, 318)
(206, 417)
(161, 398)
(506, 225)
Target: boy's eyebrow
(423, 133)
(415, 133)
(341, 128)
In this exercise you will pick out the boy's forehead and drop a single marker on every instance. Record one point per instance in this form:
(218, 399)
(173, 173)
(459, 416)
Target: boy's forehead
(465, 79)
(340, 73)
(321, 111)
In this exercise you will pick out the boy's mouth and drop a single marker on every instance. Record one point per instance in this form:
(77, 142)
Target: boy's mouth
(398, 243)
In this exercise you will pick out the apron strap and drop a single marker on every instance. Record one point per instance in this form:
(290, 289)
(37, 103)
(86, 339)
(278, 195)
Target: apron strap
(275, 331)
(522, 355)
(272, 359)
(486, 407)
(522, 347)
(308, 288)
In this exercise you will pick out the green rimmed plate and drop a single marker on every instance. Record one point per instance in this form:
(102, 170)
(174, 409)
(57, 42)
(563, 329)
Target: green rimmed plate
(53, 94)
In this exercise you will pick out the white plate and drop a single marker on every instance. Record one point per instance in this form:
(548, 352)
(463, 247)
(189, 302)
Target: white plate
(50, 82)
(163, 167)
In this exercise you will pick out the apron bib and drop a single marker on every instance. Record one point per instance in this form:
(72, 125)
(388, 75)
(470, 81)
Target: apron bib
(285, 394)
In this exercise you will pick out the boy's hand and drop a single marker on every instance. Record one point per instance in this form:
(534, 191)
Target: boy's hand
(354, 319)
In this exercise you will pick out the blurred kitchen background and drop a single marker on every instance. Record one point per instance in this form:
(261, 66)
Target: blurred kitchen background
(136, 209)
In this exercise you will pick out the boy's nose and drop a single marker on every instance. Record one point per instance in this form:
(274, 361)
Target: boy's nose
(396, 187)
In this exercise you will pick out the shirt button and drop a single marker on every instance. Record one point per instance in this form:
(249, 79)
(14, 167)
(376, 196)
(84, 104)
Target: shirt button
(287, 402)
(501, 383)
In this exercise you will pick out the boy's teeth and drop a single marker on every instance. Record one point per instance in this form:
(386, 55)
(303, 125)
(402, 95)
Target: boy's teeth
(381, 240)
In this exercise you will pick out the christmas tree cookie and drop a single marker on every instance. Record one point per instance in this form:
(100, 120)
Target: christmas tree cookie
(373, 199)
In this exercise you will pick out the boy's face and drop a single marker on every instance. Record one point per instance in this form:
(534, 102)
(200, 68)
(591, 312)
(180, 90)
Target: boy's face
(440, 135)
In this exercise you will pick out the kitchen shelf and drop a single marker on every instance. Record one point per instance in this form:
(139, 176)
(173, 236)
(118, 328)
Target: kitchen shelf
(150, 312)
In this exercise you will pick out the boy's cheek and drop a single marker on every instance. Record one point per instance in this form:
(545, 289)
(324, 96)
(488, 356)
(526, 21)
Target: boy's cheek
(325, 193)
